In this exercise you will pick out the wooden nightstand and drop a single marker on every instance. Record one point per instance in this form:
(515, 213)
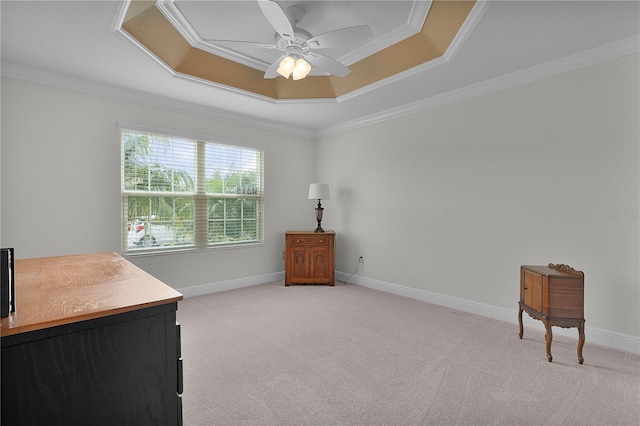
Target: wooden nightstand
(553, 294)
(309, 257)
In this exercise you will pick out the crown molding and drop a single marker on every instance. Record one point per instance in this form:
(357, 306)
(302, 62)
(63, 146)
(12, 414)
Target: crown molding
(34, 75)
(415, 21)
(418, 15)
(611, 51)
(140, 47)
(188, 32)
(580, 60)
(467, 27)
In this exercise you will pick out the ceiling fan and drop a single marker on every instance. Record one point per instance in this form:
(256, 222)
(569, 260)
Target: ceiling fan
(299, 45)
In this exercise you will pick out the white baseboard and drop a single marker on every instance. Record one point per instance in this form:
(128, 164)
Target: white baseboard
(200, 290)
(607, 338)
(594, 335)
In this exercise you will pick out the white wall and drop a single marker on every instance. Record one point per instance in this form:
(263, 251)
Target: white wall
(452, 200)
(61, 182)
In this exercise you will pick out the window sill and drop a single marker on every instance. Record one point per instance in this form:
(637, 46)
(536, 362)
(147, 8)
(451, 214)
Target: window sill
(161, 252)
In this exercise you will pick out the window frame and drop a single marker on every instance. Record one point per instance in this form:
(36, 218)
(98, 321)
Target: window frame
(200, 197)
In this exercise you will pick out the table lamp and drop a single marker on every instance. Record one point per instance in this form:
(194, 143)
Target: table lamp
(319, 191)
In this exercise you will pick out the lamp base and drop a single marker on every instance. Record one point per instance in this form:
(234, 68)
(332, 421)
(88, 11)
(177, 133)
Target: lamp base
(319, 211)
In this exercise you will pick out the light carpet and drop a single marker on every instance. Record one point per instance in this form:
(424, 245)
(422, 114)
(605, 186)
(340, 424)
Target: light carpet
(349, 355)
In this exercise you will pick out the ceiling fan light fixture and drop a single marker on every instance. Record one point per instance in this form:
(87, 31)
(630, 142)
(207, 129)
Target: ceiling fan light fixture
(297, 43)
(286, 67)
(289, 66)
(301, 69)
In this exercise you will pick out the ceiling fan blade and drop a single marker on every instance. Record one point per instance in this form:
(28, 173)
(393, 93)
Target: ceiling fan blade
(327, 64)
(277, 18)
(256, 44)
(273, 68)
(341, 37)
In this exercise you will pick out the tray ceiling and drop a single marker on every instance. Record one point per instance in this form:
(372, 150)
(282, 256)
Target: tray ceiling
(82, 45)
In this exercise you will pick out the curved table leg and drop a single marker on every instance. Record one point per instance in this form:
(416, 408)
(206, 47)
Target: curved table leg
(580, 341)
(520, 321)
(548, 338)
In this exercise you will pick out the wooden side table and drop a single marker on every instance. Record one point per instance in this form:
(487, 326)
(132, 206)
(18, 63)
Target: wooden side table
(553, 294)
(309, 257)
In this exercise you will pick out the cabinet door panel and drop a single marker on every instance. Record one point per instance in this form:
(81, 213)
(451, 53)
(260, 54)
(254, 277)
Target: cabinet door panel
(319, 262)
(532, 290)
(300, 262)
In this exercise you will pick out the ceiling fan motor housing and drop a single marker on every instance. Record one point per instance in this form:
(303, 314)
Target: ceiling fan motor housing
(299, 40)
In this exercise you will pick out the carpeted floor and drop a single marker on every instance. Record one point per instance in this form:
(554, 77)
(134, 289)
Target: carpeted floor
(349, 355)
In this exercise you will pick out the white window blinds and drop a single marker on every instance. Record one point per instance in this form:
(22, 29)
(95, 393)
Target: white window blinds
(181, 194)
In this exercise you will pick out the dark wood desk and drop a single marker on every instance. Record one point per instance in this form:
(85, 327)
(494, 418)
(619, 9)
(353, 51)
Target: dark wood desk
(94, 340)
(553, 294)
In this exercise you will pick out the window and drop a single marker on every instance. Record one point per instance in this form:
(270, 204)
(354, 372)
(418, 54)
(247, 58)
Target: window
(180, 193)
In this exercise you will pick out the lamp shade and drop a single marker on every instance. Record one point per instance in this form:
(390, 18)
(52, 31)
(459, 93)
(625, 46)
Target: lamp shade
(319, 191)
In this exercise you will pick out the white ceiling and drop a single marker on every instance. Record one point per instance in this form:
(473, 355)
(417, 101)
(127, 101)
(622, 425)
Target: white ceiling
(74, 44)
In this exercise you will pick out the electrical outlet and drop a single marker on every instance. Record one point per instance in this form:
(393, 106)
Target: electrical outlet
(282, 254)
